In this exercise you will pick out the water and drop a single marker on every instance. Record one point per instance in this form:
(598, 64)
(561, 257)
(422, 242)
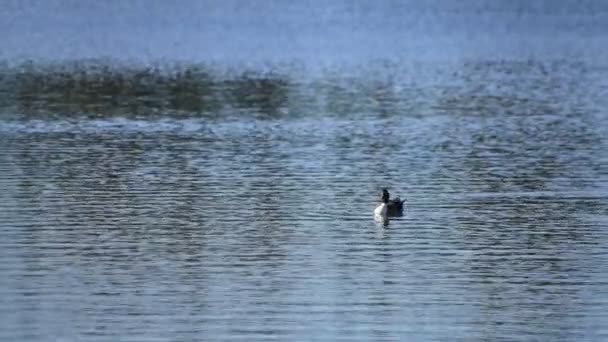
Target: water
(315, 31)
(201, 200)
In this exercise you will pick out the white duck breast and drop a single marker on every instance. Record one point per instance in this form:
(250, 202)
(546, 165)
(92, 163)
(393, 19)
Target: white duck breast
(380, 210)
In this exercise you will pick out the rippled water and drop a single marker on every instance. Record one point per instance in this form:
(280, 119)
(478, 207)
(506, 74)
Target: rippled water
(258, 228)
(209, 171)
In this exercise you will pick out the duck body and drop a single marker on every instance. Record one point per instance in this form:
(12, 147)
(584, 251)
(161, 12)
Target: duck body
(389, 207)
(394, 207)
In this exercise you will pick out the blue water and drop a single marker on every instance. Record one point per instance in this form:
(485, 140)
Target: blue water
(332, 32)
(208, 170)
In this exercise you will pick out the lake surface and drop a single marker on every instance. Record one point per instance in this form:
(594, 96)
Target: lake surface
(195, 201)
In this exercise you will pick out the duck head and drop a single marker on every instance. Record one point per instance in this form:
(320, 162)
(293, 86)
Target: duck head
(385, 196)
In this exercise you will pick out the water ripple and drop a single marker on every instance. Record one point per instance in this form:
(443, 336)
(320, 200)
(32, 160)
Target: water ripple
(186, 228)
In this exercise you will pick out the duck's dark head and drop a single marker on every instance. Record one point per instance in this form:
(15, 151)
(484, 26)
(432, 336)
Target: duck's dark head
(385, 196)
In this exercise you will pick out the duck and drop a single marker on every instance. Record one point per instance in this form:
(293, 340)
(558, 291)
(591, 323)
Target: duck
(389, 207)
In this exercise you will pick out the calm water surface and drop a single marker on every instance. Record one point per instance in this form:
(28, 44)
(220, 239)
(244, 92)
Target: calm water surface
(204, 203)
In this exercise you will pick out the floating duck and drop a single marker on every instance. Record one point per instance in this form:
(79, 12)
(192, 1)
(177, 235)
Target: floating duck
(388, 207)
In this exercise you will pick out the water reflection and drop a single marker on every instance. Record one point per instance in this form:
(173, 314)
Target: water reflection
(98, 88)
(101, 89)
